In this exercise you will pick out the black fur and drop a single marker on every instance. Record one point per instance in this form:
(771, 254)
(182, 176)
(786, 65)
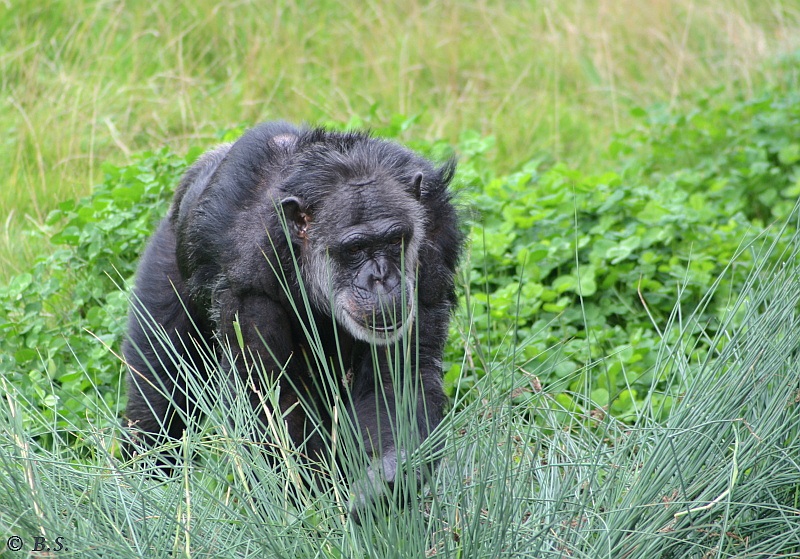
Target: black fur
(220, 254)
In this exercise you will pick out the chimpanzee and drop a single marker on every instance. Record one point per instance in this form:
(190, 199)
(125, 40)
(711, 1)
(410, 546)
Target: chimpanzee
(285, 228)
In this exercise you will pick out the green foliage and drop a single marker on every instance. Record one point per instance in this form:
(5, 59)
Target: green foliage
(598, 261)
(744, 156)
(62, 322)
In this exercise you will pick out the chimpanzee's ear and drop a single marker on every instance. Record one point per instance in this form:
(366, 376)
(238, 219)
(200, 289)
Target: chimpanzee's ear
(418, 185)
(297, 219)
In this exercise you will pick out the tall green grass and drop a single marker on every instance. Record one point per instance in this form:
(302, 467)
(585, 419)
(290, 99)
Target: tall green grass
(83, 82)
(719, 477)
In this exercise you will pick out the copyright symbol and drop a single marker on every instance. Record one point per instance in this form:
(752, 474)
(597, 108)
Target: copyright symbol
(14, 543)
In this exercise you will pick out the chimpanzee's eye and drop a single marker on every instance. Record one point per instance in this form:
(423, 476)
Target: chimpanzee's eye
(352, 249)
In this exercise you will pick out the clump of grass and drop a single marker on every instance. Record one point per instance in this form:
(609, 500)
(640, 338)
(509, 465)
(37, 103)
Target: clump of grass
(718, 477)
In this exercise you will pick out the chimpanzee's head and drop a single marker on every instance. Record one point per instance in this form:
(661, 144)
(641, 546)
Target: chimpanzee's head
(359, 240)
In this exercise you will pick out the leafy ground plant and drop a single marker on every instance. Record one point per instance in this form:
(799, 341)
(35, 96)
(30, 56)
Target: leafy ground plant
(61, 321)
(718, 476)
(590, 262)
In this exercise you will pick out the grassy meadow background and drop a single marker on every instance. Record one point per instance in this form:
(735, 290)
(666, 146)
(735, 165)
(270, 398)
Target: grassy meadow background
(624, 364)
(88, 82)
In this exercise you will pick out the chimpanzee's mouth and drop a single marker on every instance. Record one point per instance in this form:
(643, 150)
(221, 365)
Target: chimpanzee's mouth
(374, 325)
(385, 329)
(377, 326)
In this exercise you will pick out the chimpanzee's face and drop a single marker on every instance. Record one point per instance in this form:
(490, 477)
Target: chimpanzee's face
(360, 256)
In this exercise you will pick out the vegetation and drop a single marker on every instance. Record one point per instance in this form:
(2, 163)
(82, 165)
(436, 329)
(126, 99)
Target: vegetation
(624, 366)
(600, 261)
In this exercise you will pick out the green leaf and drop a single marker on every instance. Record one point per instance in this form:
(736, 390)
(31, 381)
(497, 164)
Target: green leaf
(600, 397)
(24, 355)
(789, 154)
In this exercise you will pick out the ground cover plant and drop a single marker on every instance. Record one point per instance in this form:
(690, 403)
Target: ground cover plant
(598, 260)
